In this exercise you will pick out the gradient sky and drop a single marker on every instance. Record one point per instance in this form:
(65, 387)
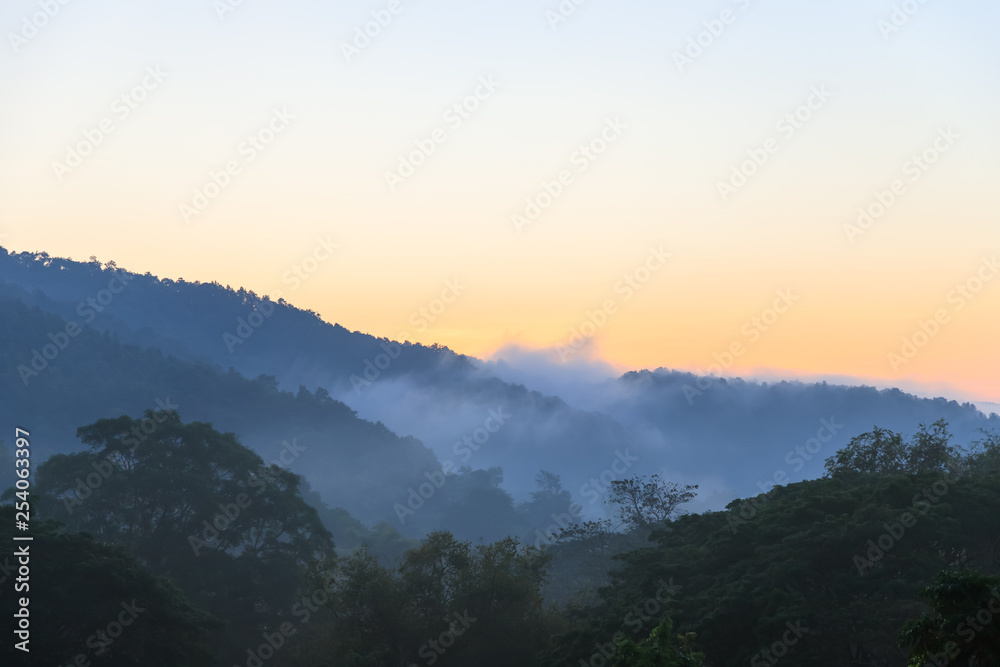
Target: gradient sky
(655, 186)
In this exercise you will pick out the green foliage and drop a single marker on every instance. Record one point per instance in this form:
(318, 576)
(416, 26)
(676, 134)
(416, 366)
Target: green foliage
(548, 502)
(364, 464)
(844, 558)
(382, 540)
(663, 648)
(78, 589)
(832, 554)
(448, 603)
(646, 504)
(982, 457)
(193, 504)
(963, 626)
(883, 452)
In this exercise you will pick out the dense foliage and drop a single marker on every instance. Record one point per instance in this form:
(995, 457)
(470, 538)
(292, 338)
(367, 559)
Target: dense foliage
(890, 559)
(727, 429)
(827, 572)
(93, 603)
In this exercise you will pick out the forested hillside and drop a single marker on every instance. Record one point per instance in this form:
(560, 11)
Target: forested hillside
(664, 419)
(890, 559)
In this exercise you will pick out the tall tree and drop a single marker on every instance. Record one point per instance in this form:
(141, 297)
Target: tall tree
(195, 505)
(649, 503)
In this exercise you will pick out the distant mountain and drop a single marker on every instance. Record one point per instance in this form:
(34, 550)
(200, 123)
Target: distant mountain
(59, 376)
(443, 398)
(740, 437)
(56, 380)
(730, 436)
(988, 408)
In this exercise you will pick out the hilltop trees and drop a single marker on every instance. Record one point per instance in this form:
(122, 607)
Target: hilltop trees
(883, 452)
(185, 520)
(646, 504)
(169, 491)
(826, 571)
(448, 603)
(193, 504)
(963, 625)
(982, 458)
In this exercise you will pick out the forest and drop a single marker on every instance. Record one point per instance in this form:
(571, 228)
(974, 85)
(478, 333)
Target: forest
(891, 558)
(196, 506)
(499, 334)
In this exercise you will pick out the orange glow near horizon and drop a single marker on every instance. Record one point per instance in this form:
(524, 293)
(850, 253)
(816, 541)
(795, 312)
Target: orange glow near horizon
(906, 132)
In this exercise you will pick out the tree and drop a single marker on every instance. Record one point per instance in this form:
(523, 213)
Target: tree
(550, 504)
(548, 484)
(841, 559)
(879, 451)
(432, 574)
(193, 504)
(663, 648)
(592, 535)
(963, 626)
(884, 452)
(931, 450)
(448, 604)
(646, 504)
(183, 490)
(94, 600)
(982, 458)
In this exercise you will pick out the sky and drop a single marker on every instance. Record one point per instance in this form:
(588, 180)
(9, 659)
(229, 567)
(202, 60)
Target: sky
(743, 187)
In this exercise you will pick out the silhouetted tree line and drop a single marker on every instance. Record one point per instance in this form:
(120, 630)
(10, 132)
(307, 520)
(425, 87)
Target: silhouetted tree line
(213, 556)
